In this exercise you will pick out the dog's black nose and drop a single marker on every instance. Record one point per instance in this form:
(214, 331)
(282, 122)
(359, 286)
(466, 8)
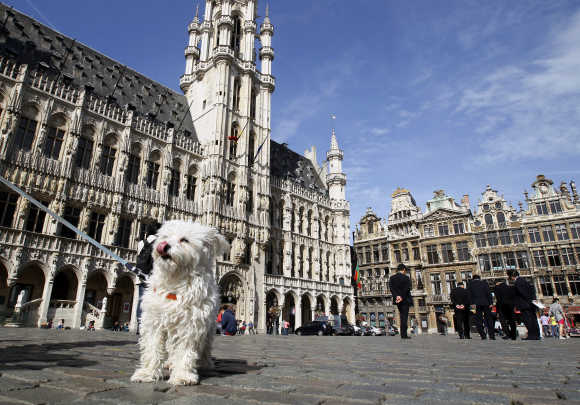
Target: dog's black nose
(166, 248)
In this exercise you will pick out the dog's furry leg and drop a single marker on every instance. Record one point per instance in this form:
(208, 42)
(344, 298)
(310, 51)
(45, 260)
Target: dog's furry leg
(184, 357)
(205, 359)
(152, 345)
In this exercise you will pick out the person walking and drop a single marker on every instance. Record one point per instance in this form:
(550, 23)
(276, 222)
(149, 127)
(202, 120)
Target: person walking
(460, 302)
(400, 285)
(545, 319)
(558, 313)
(523, 300)
(251, 330)
(554, 327)
(504, 297)
(480, 296)
(229, 324)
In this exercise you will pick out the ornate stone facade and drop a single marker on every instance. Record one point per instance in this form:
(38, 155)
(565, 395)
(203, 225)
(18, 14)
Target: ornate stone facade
(542, 242)
(112, 152)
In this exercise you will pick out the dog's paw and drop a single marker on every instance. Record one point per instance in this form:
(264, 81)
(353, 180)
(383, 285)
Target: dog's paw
(207, 364)
(183, 378)
(143, 375)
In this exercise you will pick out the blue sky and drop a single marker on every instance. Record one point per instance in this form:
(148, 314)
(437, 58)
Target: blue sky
(428, 95)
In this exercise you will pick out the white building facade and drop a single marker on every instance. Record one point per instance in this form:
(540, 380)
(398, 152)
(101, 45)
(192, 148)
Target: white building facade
(113, 152)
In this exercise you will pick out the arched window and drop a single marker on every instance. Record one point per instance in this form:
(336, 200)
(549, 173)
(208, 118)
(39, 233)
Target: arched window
(269, 256)
(301, 262)
(236, 38)
(326, 229)
(191, 183)
(370, 226)
(488, 219)
(293, 218)
(26, 129)
(84, 151)
(281, 215)
(108, 154)
(310, 251)
(153, 165)
(251, 148)
(253, 102)
(272, 210)
(237, 91)
(327, 266)
(250, 202)
(234, 141)
(301, 220)
(281, 258)
(134, 164)
(230, 190)
(54, 138)
(293, 259)
(175, 183)
(309, 223)
(500, 218)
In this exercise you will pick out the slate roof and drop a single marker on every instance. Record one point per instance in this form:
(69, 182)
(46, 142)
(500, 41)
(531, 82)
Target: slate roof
(29, 42)
(286, 163)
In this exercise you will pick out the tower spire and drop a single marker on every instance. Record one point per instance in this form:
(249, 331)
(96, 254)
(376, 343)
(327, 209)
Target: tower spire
(196, 11)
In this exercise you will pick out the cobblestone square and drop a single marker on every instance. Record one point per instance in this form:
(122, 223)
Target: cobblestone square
(74, 366)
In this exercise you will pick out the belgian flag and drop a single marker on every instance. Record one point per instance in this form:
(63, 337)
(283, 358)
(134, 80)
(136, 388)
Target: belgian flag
(356, 278)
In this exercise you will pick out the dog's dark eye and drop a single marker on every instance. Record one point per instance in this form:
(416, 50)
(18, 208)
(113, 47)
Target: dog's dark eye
(183, 240)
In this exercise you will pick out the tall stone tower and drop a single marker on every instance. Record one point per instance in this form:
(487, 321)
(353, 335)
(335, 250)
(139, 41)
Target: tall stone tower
(336, 182)
(229, 100)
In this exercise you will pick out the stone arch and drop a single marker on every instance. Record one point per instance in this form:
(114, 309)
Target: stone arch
(65, 284)
(233, 291)
(306, 308)
(96, 289)
(30, 278)
(111, 139)
(4, 289)
(334, 307)
(289, 309)
(120, 302)
(321, 304)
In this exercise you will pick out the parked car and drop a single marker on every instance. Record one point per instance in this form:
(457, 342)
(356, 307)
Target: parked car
(393, 331)
(574, 332)
(344, 329)
(361, 330)
(320, 328)
(374, 331)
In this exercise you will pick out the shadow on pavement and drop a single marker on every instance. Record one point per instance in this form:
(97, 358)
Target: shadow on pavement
(41, 356)
(228, 367)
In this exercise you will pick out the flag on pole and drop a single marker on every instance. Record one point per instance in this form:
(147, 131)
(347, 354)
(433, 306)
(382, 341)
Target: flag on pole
(356, 278)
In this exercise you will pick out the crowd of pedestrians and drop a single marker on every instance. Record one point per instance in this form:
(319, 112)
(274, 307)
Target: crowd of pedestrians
(228, 325)
(473, 304)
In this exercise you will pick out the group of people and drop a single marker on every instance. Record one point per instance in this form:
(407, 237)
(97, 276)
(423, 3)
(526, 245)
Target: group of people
(514, 295)
(226, 323)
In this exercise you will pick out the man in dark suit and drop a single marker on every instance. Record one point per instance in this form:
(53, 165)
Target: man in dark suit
(460, 301)
(480, 296)
(523, 301)
(504, 297)
(400, 285)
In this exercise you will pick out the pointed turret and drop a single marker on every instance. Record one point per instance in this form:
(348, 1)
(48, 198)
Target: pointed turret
(336, 179)
(267, 52)
(192, 52)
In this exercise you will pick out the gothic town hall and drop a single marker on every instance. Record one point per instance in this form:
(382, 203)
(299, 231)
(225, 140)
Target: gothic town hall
(113, 151)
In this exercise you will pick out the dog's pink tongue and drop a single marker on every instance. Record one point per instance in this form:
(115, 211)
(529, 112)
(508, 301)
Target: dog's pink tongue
(161, 248)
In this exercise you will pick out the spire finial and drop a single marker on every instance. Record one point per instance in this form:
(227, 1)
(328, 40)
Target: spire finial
(268, 10)
(196, 10)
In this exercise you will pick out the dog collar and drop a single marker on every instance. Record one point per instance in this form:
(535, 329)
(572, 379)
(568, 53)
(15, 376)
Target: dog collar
(169, 296)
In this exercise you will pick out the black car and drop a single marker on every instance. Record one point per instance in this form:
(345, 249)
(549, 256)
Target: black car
(344, 330)
(320, 328)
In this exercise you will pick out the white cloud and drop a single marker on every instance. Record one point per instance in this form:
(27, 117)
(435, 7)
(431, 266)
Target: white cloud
(530, 110)
(379, 131)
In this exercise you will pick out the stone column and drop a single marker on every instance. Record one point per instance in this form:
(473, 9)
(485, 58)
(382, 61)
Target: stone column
(45, 304)
(297, 313)
(103, 313)
(80, 298)
(134, 323)
(280, 315)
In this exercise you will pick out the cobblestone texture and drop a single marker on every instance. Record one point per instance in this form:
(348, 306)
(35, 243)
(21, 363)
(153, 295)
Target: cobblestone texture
(77, 367)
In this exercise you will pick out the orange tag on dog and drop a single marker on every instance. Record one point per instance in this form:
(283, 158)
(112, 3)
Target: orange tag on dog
(171, 296)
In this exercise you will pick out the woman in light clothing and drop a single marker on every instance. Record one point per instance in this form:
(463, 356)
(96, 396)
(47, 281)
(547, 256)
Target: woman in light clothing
(558, 313)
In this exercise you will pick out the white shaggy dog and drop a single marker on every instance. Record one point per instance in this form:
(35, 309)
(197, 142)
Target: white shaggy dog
(180, 303)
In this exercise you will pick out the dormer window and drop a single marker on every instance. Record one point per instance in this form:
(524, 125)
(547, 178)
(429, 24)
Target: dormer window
(370, 227)
(486, 207)
(498, 205)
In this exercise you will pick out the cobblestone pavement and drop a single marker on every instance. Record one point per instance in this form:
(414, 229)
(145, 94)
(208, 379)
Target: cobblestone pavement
(68, 367)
